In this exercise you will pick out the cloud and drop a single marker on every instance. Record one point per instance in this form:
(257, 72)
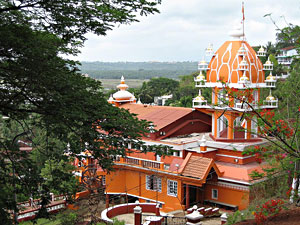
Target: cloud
(183, 30)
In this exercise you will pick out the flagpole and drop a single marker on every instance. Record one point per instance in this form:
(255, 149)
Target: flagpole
(243, 21)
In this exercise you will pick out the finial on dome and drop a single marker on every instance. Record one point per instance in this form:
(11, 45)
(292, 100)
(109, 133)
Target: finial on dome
(199, 101)
(243, 64)
(111, 99)
(261, 51)
(203, 65)
(236, 32)
(203, 141)
(270, 97)
(270, 80)
(271, 102)
(268, 64)
(209, 50)
(139, 101)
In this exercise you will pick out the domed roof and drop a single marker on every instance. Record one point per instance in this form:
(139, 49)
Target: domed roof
(270, 77)
(268, 62)
(199, 98)
(226, 64)
(122, 95)
(200, 77)
(270, 97)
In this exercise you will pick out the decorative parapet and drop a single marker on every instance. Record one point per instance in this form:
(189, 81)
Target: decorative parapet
(116, 210)
(145, 163)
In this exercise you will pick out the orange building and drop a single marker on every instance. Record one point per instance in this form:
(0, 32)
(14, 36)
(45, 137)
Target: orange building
(207, 165)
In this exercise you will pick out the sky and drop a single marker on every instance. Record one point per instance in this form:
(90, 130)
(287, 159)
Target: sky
(184, 28)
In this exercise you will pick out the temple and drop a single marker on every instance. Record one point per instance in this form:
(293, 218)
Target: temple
(208, 165)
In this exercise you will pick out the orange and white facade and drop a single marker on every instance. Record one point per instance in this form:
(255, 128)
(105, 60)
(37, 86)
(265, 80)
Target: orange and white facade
(207, 165)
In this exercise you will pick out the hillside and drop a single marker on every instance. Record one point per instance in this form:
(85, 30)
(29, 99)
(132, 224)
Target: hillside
(137, 70)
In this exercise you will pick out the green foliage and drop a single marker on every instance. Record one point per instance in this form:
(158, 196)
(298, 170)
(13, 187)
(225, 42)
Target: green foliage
(67, 219)
(58, 177)
(115, 222)
(156, 87)
(71, 19)
(184, 94)
(235, 217)
(288, 36)
(49, 103)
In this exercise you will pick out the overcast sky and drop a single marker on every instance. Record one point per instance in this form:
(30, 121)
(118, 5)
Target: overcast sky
(184, 28)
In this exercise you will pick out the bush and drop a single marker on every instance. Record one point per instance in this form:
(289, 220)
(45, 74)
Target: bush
(269, 209)
(236, 217)
(68, 219)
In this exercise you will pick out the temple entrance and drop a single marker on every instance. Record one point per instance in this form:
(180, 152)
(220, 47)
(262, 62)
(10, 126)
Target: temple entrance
(193, 195)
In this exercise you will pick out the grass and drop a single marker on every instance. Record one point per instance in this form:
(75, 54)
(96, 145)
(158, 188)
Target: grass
(42, 222)
(112, 83)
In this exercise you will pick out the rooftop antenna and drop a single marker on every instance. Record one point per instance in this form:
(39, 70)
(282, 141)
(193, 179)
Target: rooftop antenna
(243, 21)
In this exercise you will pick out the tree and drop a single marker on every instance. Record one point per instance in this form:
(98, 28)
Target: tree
(288, 36)
(43, 94)
(184, 94)
(156, 87)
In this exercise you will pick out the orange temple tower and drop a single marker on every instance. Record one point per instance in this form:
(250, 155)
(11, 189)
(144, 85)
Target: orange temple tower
(234, 66)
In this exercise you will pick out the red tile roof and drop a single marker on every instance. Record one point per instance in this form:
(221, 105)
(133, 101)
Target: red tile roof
(161, 116)
(240, 172)
(197, 167)
(288, 48)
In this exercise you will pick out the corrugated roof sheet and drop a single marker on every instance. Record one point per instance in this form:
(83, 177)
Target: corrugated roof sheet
(161, 116)
(197, 167)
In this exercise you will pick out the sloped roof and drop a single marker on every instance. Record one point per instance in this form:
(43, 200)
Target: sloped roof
(288, 48)
(161, 116)
(198, 167)
(240, 172)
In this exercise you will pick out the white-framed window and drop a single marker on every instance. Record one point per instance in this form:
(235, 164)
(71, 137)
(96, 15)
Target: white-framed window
(103, 180)
(172, 188)
(214, 193)
(153, 183)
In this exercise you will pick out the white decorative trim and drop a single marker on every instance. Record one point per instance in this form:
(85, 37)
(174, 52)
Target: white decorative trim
(234, 181)
(123, 193)
(142, 159)
(236, 157)
(104, 212)
(230, 185)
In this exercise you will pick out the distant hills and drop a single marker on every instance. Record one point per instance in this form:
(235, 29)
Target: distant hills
(137, 70)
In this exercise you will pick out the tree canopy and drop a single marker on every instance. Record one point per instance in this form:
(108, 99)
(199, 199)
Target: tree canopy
(47, 103)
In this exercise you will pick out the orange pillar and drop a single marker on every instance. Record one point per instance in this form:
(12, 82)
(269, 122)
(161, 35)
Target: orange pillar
(216, 115)
(107, 201)
(230, 128)
(248, 128)
(187, 196)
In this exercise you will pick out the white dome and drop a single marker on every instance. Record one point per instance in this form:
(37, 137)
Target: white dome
(123, 95)
(122, 86)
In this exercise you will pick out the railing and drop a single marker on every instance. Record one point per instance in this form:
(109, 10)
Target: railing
(167, 219)
(142, 162)
(150, 164)
(133, 161)
(246, 105)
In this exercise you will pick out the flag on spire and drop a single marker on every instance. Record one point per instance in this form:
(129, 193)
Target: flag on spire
(243, 11)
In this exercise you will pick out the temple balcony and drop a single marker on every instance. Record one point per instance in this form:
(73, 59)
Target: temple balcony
(143, 163)
(270, 104)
